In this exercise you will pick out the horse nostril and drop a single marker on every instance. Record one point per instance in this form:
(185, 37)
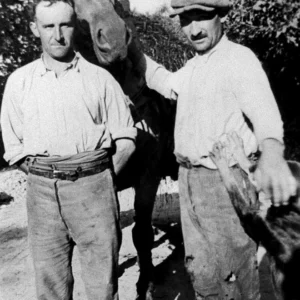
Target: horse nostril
(111, 42)
(101, 42)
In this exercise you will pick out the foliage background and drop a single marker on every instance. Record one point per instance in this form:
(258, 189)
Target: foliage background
(270, 28)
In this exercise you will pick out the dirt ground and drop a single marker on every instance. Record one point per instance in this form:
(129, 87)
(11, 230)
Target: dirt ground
(16, 271)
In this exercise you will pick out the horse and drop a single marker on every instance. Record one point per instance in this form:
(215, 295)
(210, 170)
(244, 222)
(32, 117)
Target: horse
(106, 36)
(276, 228)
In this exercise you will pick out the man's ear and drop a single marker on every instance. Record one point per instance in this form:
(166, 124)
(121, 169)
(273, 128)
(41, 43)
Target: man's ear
(223, 19)
(34, 29)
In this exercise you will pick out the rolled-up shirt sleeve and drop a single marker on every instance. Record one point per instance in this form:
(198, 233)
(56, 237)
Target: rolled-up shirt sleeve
(12, 120)
(117, 114)
(256, 98)
(160, 79)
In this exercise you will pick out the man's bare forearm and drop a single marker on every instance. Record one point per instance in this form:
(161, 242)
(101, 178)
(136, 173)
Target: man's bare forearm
(124, 149)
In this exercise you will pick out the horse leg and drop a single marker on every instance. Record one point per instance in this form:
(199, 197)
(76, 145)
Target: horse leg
(146, 185)
(142, 232)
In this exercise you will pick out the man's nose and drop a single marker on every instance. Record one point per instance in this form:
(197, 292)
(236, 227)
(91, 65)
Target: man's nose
(195, 29)
(57, 33)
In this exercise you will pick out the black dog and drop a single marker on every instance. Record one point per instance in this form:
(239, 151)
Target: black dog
(278, 230)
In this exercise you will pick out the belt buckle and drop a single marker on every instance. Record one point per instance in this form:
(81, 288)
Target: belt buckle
(57, 174)
(69, 175)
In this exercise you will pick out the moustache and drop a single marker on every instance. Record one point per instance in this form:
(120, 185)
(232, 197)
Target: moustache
(58, 44)
(198, 36)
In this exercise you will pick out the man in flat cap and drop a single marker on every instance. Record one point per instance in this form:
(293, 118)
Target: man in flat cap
(218, 92)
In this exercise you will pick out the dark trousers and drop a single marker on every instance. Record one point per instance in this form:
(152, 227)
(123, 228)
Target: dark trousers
(220, 257)
(63, 213)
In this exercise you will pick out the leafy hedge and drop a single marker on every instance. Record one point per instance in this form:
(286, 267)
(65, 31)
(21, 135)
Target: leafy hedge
(271, 28)
(18, 46)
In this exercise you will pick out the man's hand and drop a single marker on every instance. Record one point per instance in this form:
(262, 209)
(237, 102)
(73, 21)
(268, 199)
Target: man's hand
(124, 149)
(23, 165)
(273, 175)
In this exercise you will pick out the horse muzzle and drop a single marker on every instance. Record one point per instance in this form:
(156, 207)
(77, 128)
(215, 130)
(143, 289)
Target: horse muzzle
(111, 45)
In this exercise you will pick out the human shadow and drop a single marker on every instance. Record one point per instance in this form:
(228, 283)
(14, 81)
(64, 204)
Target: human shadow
(170, 277)
(172, 281)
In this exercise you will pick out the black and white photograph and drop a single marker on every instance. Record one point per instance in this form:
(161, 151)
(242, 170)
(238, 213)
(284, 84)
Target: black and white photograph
(149, 149)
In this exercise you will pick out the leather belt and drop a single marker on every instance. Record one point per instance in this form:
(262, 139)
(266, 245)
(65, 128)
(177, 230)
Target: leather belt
(72, 174)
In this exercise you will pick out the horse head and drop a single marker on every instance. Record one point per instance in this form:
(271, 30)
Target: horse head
(108, 31)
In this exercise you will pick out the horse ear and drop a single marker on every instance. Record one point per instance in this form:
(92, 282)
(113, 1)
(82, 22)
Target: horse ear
(34, 29)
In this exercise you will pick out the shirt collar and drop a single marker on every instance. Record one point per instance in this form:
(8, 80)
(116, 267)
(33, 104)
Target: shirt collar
(43, 68)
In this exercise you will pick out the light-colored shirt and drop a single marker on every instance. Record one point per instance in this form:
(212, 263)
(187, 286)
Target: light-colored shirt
(81, 110)
(214, 92)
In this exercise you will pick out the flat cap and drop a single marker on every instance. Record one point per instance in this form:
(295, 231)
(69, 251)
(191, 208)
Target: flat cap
(180, 6)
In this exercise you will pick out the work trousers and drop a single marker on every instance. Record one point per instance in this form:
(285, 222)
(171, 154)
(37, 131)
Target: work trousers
(63, 213)
(219, 256)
